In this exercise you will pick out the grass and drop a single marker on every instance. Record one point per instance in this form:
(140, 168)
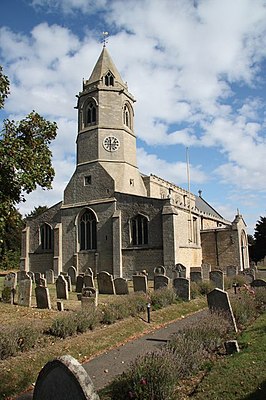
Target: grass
(240, 376)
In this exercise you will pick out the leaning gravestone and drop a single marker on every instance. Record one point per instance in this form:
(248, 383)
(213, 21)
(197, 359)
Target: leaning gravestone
(258, 283)
(182, 288)
(9, 290)
(50, 276)
(160, 281)
(160, 270)
(195, 276)
(79, 283)
(61, 288)
(64, 379)
(25, 292)
(42, 297)
(121, 286)
(179, 271)
(72, 272)
(218, 301)
(140, 283)
(105, 283)
(89, 297)
(88, 280)
(217, 277)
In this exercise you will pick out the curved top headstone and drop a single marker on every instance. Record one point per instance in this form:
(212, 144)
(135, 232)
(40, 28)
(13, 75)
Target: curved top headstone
(64, 379)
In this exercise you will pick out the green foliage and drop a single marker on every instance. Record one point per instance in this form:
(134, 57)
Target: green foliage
(36, 211)
(63, 326)
(151, 376)
(244, 307)
(162, 298)
(87, 319)
(17, 339)
(200, 288)
(258, 247)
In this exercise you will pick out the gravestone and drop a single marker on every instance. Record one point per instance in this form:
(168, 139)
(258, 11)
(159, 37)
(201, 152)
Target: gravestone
(50, 276)
(231, 270)
(218, 301)
(60, 305)
(195, 276)
(10, 280)
(88, 280)
(179, 271)
(121, 286)
(258, 283)
(72, 272)
(68, 281)
(21, 275)
(42, 297)
(182, 288)
(64, 379)
(25, 292)
(140, 283)
(160, 281)
(195, 269)
(105, 283)
(160, 270)
(79, 283)
(217, 277)
(61, 288)
(88, 271)
(38, 276)
(249, 278)
(32, 276)
(89, 297)
(42, 282)
(206, 269)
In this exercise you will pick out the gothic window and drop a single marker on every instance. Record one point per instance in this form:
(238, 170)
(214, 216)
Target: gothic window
(88, 235)
(139, 230)
(126, 116)
(109, 79)
(46, 237)
(91, 113)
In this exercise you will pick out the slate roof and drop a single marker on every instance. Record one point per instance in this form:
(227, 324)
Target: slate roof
(203, 206)
(102, 66)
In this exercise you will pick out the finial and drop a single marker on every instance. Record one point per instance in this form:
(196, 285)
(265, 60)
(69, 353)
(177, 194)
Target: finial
(105, 38)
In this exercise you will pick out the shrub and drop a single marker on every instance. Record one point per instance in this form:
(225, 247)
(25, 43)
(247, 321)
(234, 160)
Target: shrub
(151, 376)
(162, 298)
(244, 307)
(138, 302)
(260, 298)
(87, 319)
(194, 290)
(205, 287)
(63, 326)
(17, 338)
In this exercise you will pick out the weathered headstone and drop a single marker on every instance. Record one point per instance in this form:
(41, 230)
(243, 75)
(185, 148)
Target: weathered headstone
(140, 283)
(249, 278)
(25, 292)
(217, 277)
(61, 288)
(79, 283)
(258, 283)
(88, 281)
(50, 276)
(105, 283)
(32, 276)
(9, 289)
(206, 269)
(179, 271)
(10, 280)
(42, 282)
(182, 288)
(195, 276)
(64, 379)
(38, 276)
(89, 297)
(231, 270)
(160, 270)
(60, 305)
(42, 297)
(21, 275)
(72, 272)
(196, 269)
(121, 286)
(88, 271)
(69, 283)
(231, 347)
(160, 281)
(218, 301)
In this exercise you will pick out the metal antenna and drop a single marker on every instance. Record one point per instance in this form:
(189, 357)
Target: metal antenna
(105, 36)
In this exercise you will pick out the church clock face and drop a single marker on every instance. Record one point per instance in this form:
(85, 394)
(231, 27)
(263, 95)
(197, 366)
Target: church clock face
(111, 143)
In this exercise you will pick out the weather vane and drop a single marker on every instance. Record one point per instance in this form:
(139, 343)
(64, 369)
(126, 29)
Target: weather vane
(105, 38)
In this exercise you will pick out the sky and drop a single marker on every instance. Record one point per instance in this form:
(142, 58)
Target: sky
(196, 68)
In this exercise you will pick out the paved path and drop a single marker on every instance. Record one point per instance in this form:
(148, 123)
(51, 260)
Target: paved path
(105, 367)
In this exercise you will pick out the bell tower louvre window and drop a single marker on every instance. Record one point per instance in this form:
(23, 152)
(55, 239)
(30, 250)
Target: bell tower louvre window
(126, 116)
(109, 79)
(91, 113)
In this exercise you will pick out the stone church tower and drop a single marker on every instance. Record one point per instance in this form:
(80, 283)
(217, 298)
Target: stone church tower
(112, 217)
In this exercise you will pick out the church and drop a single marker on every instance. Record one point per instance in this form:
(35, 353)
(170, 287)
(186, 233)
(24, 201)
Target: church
(114, 218)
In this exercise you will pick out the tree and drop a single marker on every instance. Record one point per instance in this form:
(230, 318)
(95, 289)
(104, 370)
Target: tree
(36, 211)
(258, 249)
(25, 158)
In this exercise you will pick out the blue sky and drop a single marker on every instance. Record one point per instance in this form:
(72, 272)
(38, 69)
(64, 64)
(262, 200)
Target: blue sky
(196, 69)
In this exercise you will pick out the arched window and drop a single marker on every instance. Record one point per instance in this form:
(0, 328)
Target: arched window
(46, 237)
(91, 113)
(109, 79)
(88, 237)
(126, 116)
(139, 230)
